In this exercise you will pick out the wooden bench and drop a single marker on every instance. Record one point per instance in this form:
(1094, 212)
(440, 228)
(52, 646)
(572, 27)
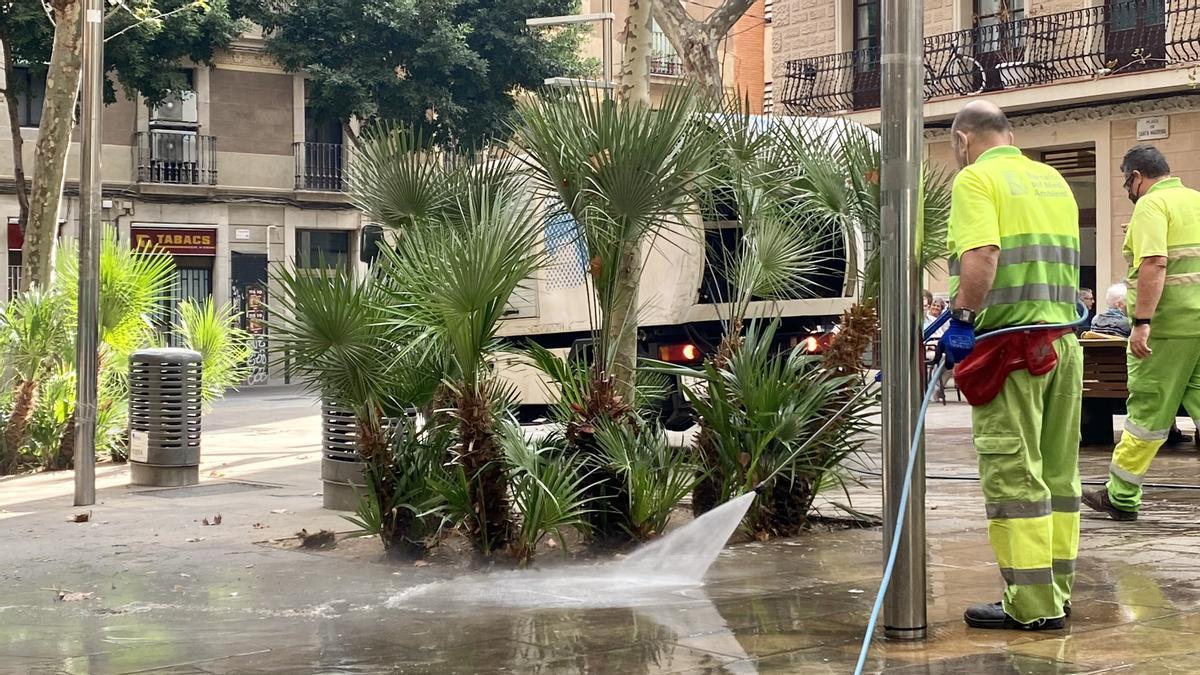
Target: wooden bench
(1105, 389)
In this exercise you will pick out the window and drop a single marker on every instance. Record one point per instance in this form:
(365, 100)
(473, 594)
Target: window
(322, 249)
(866, 31)
(30, 89)
(768, 98)
(769, 11)
(995, 22)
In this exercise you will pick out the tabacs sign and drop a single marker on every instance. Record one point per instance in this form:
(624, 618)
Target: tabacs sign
(175, 241)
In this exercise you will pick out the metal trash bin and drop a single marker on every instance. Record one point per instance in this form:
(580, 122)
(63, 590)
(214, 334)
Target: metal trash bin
(342, 469)
(164, 417)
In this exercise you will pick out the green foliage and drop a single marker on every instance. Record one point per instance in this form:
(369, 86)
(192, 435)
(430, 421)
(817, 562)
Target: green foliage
(762, 409)
(550, 491)
(449, 67)
(145, 45)
(33, 334)
(401, 504)
(656, 475)
(838, 183)
(624, 173)
(223, 347)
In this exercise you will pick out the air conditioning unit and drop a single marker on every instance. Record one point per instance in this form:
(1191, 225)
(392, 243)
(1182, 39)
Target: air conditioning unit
(178, 107)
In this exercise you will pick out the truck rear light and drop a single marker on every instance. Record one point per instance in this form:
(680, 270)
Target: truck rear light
(684, 353)
(812, 344)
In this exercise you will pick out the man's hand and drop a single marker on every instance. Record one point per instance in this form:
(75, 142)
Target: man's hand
(1139, 341)
(958, 341)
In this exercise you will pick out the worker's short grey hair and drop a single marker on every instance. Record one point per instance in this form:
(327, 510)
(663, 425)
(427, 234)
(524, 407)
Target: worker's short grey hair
(1116, 294)
(1146, 160)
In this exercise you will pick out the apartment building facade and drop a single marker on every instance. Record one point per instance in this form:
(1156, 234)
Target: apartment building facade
(1082, 81)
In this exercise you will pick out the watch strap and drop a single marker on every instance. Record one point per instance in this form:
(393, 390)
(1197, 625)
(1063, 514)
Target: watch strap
(1141, 322)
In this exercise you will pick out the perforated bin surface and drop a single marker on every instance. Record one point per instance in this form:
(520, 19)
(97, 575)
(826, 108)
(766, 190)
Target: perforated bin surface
(165, 404)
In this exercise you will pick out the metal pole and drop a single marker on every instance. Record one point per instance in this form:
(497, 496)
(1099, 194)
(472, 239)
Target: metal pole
(607, 37)
(900, 308)
(90, 227)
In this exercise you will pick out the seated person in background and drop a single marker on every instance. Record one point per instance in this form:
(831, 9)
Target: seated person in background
(1114, 320)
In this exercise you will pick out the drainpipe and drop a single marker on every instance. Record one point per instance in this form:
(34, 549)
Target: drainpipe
(902, 144)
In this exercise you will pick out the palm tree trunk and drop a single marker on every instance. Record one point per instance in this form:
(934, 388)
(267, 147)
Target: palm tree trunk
(491, 530)
(53, 145)
(622, 325)
(14, 435)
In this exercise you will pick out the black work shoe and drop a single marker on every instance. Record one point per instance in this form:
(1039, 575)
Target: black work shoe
(992, 616)
(1097, 500)
(1067, 609)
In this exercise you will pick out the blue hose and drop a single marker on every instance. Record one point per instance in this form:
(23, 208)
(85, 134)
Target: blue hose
(912, 462)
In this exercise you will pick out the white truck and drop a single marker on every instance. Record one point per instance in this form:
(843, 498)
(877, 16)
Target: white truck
(680, 317)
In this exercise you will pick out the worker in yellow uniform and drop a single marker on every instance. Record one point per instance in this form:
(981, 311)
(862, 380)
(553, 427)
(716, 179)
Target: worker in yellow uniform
(1014, 243)
(1162, 247)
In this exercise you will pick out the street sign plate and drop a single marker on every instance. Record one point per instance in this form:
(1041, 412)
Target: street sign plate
(139, 446)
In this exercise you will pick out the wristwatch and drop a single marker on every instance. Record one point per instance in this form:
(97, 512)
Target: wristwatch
(964, 315)
(1141, 322)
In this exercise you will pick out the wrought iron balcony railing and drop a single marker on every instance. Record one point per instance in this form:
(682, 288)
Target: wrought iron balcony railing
(1121, 37)
(320, 166)
(177, 157)
(664, 60)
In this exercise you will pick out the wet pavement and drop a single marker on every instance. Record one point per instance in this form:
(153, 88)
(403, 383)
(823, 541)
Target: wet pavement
(170, 595)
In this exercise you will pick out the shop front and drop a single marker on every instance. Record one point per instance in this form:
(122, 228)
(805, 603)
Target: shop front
(193, 250)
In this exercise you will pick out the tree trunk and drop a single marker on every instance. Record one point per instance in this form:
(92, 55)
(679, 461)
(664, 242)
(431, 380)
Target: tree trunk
(18, 142)
(703, 63)
(14, 435)
(635, 63)
(53, 145)
(697, 42)
(623, 324)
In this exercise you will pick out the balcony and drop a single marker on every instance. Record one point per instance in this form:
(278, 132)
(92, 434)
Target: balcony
(176, 157)
(664, 60)
(320, 166)
(1125, 37)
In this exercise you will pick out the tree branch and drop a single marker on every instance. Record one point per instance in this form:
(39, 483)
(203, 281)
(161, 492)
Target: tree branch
(675, 21)
(718, 23)
(49, 12)
(156, 17)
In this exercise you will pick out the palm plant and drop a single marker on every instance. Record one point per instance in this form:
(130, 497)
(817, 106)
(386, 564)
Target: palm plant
(762, 409)
(336, 327)
(656, 475)
(223, 347)
(402, 505)
(451, 280)
(837, 182)
(34, 341)
(625, 173)
(134, 284)
(550, 492)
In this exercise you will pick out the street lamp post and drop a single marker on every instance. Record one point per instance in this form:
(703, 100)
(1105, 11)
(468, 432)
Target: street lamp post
(901, 150)
(88, 336)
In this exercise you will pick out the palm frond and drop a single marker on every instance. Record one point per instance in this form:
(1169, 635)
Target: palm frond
(223, 347)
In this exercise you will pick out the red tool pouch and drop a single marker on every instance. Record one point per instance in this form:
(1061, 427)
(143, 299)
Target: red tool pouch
(981, 376)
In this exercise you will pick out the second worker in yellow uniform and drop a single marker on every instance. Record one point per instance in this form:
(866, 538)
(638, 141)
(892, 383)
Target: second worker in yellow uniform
(1162, 247)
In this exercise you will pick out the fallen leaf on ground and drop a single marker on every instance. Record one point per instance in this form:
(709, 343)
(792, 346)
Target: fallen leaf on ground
(216, 474)
(279, 512)
(215, 521)
(421, 563)
(81, 517)
(322, 539)
(192, 540)
(65, 596)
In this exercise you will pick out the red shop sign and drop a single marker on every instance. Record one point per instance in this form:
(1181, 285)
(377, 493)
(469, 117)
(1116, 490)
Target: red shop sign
(176, 241)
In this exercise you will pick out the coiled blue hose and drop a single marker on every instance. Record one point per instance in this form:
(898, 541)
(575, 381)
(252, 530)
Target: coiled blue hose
(912, 462)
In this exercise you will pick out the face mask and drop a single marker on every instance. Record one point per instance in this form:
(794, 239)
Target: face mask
(1130, 192)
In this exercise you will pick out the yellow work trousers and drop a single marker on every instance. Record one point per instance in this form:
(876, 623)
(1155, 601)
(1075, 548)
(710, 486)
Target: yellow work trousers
(1027, 439)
